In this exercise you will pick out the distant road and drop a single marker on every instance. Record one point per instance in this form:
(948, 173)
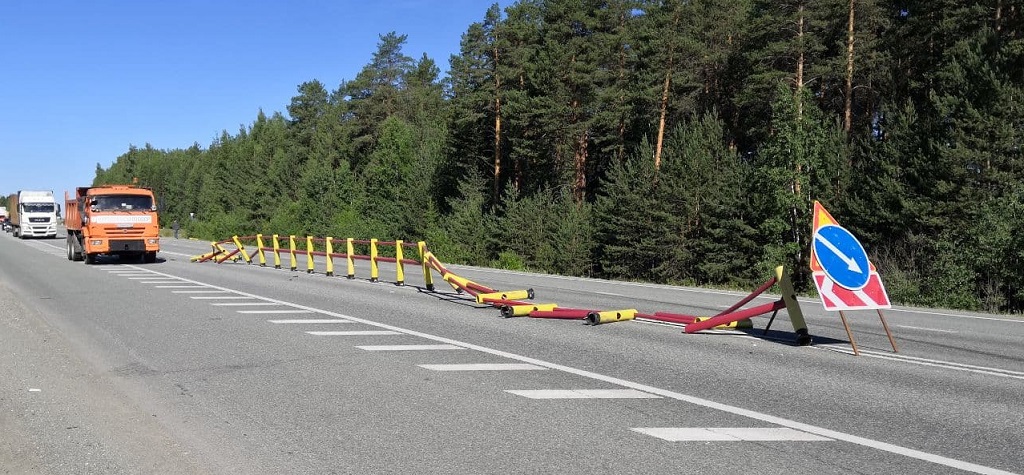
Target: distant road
(179, 367)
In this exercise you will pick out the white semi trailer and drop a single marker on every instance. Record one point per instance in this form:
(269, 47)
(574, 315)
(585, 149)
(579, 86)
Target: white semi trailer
(33, 214)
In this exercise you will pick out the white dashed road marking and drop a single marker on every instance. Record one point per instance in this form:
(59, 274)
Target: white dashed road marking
(311, 320)
(272, 311)
(729, 434)
(582, 394)
(244, 304)
(222, 297)
(483, 367)
(356, 333)
(409, 347)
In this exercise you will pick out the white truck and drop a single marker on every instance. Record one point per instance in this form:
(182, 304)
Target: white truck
(3, 218)
(33, 214)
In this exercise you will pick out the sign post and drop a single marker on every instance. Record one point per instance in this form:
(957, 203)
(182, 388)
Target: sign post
(845, 278)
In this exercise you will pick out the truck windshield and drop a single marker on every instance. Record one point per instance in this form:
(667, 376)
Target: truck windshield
(38, 207)
(122, 202)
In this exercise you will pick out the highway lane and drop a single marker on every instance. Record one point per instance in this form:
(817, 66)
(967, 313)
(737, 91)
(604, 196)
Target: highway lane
(253, 392)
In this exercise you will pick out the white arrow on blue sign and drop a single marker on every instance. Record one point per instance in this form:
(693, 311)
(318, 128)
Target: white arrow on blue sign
(842, 257)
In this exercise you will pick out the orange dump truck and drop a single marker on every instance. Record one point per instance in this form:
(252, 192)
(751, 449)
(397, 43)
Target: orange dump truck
(116, 220)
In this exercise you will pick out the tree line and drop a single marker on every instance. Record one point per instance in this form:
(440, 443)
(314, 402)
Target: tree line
(656, 140)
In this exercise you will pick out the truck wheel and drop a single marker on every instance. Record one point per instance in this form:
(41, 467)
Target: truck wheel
(71, 252)
(90, 259)
(150, 257)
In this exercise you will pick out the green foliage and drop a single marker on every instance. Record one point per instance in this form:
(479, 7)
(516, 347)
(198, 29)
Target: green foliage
(537, 151)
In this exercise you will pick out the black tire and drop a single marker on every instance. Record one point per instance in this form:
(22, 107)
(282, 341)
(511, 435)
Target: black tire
(71, 251)
(149, 257)
(90, 259)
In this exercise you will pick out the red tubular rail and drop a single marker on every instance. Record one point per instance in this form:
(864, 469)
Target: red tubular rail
(562, 313)
(735, 316)
(668, 317)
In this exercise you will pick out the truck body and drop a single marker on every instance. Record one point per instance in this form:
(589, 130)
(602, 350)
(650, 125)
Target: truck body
(115, 220)
(3, 218)
(33, 213)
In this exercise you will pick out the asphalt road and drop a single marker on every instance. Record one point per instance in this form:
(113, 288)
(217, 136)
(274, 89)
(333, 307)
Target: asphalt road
(182, 367)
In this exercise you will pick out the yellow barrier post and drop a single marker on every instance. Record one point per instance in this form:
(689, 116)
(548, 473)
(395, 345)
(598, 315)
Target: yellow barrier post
(457, 283)
(597, 318)
(509, 311)
(309, 254)
(351, 265)
(291, 252)
(277, 252)
(427, 278)
(241, 249)
(399, 267)
(796, 316)
(259, 250)
(330, 260)
(507, 295)
(374, 272)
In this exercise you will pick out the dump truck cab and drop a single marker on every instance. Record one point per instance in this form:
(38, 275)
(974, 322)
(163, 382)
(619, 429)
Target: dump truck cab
(118, 220)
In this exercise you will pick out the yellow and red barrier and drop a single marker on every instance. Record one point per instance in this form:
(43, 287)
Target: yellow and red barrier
(512, 303)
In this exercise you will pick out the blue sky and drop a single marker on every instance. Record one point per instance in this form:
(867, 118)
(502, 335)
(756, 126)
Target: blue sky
(80, 81)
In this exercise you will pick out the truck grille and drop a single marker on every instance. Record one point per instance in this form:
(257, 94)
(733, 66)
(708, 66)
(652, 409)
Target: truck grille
(39, 220)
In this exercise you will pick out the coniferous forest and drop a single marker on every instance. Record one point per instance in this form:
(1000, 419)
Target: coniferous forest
(656, 140)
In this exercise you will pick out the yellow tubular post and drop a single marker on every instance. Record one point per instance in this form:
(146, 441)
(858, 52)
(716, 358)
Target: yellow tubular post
(523, 310)
(309, 254)
(399, 267)
(609, 316)
(241, 249)
(374, 272)
(259, 250)
(291, 252)
(330, 260)
(427, 278)
(796, 316)
(351, 265)
(509, 295)
(223, 252)
(277, 252)
(457, 283)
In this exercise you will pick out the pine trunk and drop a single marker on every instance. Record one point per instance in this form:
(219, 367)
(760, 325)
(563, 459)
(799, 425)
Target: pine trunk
(497, 130)
(847, 112)
(663, 112)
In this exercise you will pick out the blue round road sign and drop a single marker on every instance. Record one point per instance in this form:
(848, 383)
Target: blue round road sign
(842, 257)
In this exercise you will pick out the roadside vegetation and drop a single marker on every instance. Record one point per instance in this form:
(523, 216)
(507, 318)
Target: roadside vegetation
(665, 141)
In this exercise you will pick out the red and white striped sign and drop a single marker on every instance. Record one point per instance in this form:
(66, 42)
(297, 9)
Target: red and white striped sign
(835, 297)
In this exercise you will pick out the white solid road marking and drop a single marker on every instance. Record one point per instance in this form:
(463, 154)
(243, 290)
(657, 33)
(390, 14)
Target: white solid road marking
(483, 367)
(582, 394)
(158, 281)
(451, 344)
(928, 362)
(729, 434)
(179, 286)
(926, 329)
(273, 311)
(311, 320)
(199, 291)
(354, 333)
(409, 347)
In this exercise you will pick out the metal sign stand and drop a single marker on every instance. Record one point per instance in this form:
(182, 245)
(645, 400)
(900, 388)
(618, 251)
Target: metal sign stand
(849, 333)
